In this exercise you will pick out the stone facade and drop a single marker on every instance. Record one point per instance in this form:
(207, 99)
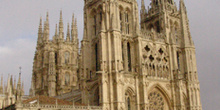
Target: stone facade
(123, 64)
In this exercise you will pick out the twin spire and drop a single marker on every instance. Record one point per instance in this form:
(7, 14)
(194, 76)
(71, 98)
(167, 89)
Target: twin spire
(43, 34)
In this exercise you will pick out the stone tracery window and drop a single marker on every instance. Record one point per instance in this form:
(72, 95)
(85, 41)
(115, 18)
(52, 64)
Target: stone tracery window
(156, 101)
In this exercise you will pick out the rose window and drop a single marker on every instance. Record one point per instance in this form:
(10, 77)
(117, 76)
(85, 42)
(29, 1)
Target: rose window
(156, 101)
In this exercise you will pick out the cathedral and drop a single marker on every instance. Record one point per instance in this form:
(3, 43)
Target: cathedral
(126, 61)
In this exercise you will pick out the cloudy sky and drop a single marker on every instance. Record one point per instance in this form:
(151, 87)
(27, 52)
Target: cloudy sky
(19, 20)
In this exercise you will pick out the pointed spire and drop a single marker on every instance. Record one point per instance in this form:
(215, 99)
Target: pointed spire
(56, 31)
(61, 36)
(72, 28)
(76, 29)
(40, 32)
(142, 5)
(68, 33)
(185, 25)
(19, 84)
(9, 90)
(22, 88)
(19, 79)
(14, 87)
(46, 28)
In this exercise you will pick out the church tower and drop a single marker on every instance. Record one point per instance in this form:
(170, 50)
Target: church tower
(109, 29)
(148, 68)
(55, 63)
(163, 18)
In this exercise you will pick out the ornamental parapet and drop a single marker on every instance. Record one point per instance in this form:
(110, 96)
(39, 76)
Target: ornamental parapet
(152, 35)
(47, 106)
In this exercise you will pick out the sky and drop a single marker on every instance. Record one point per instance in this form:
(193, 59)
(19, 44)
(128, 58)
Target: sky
(19, 20)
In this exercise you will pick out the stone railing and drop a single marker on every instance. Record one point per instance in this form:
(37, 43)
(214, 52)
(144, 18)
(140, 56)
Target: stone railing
(152, 35)
(72, 107)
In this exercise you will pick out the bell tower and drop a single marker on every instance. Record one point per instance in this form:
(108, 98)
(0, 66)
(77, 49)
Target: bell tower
(108, 26)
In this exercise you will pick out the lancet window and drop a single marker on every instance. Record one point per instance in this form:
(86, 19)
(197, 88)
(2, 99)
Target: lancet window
(127, 101)
(121, 21)
(127, 26)
(97, 57)
(56, 60)
(129, 56)
(178, 60)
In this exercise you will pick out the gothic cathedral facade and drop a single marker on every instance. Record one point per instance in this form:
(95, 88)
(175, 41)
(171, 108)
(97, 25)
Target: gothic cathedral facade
(124, 63)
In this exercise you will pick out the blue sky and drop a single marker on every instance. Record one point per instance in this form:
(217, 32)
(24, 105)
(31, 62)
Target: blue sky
(19, 20)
